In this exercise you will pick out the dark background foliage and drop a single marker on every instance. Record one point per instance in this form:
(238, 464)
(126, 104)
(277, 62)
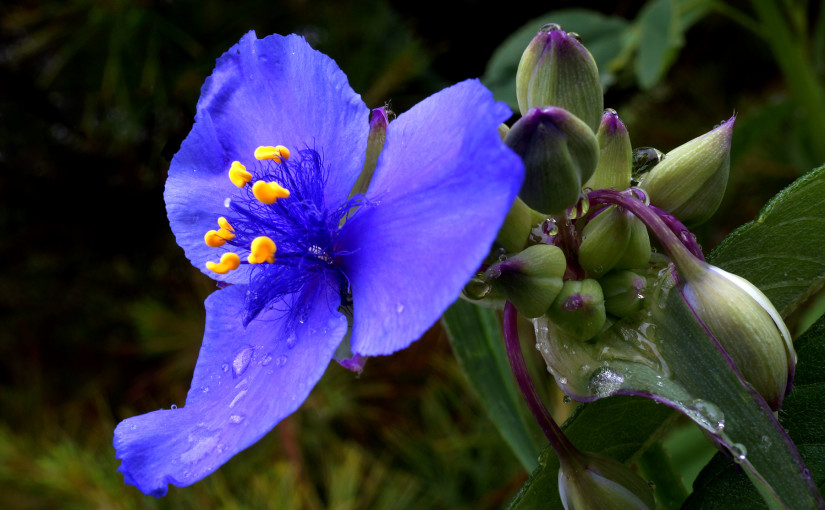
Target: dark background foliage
(102, 314)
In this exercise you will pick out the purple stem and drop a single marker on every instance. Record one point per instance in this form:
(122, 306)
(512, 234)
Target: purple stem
(678, 228)
(682, 256)
(563, 447)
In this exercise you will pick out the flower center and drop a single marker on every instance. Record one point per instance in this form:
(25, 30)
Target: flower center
(279, 221)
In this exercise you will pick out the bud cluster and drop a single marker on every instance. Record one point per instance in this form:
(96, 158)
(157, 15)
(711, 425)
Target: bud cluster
(582, 260)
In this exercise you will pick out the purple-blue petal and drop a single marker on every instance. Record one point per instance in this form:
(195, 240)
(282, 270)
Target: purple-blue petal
(245, 382)
(442, 187)
(271, 91)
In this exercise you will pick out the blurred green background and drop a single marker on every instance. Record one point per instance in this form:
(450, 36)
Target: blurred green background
(102, 315)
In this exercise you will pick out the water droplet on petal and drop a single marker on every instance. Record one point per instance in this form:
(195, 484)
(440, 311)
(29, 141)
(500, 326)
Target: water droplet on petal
(566, 399)
(205, 389)
(225, 367)
(740, 453)
(281, 361)
(242, 359)
(174, 406)
(399, 308)
(266, 360)
(227, 202)
(238, 397)
(562, 380)
(236, 418)
(291, 340)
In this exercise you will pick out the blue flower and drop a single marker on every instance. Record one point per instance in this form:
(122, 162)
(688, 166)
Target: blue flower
(259, 197)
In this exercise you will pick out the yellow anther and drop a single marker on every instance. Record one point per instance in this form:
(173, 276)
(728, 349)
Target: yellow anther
(270, 152)
(229, 261)
(213, 239)
(225, 224)
(238, 174)
(216, 238)
(262, 250)
(269, 192)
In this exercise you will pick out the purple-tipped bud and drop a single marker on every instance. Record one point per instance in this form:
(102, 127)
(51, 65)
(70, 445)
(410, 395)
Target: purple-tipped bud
(745, 323)
(559, 152)
(556, 70)
(530, 280)
(379, 120)
(594, 481)
(689, 182)
(579, 309)
(615, 154)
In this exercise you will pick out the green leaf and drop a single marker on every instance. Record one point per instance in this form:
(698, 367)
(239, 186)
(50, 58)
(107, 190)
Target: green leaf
(602, 35)
(660, 37)
(619, 427)
(666, 353)
(723, 485)
(476, 338)
(783, 250)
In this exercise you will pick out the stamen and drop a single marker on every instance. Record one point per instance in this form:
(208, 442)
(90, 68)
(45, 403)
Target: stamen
(217, 238)
(229, 261)
(262, 250)
(269, 192)
(270, 152)
(225, 225)
(238, 174)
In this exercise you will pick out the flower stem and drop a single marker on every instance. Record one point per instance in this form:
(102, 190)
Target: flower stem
(563, 447)
(681, 256)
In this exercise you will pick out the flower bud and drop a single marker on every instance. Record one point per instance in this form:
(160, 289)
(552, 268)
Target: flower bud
(556, 70)
(746, 325)
(604, 241)
(559, 152)
(531, 280)
(623, 292)
(690, 181)
(595, 481)
(615, 154)
(379, 120)
(579, 309)
(637, 253)
(518, 224)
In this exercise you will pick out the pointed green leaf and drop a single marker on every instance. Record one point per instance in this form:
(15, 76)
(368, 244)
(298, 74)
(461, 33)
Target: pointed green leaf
(476, 339)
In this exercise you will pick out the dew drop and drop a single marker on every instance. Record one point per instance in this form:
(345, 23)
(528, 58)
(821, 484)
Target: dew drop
(291, 340)
(550, 27)
(236, 418)
(242, 359)
(399, 308)
(605, 381)
(227, 202)
(740, 453)
(266, 360)
(549, 227)
(281, 361)
(562, 380)
(575, 36)
(237, 398)
(205, 389)
(174, 406)
(225, 367)
(566, 399)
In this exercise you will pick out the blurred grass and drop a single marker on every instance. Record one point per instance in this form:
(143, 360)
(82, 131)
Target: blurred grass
(102, 315)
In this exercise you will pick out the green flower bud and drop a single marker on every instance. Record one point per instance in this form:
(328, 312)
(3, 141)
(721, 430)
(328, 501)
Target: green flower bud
(559, 152)
(579, 309)
(623, 292)
(746, 325)
(531, 280)
(604, 241)
(637, 253)
(615, 155)
(518, 225)
(597, 482)
(690, 181)
(556, 70)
